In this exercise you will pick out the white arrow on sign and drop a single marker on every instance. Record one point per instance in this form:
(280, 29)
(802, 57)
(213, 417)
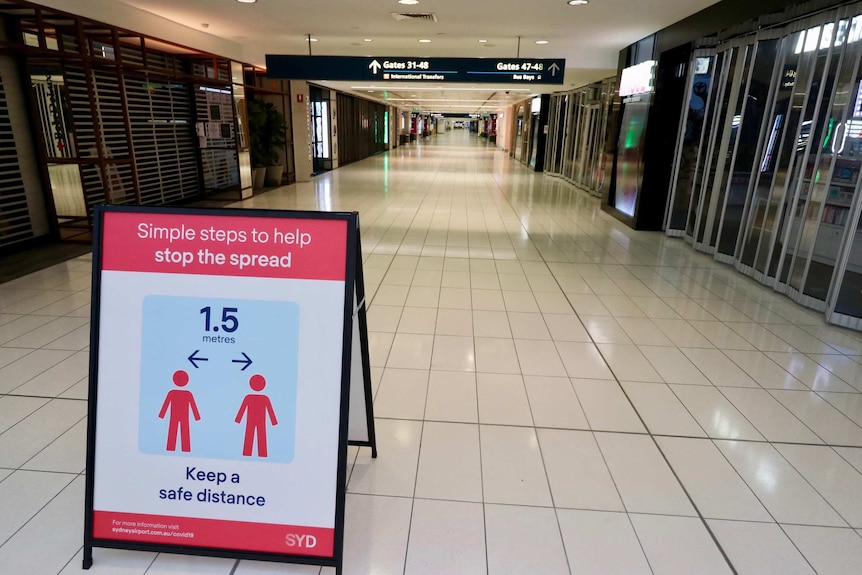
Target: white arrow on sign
(374, 66)
(554, 68)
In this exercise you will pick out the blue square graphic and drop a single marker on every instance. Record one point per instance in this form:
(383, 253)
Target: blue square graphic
(196, 381)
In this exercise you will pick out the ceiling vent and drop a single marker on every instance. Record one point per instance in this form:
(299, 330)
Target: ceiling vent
(423, 16)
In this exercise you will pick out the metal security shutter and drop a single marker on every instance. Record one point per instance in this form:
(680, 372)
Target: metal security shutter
(160, 113)
(116, 185)
(15, 223)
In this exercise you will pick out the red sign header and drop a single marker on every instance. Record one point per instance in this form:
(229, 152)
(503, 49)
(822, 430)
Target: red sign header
(268, 247)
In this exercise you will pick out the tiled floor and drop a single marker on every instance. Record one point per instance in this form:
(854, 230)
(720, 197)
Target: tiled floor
(555, 393)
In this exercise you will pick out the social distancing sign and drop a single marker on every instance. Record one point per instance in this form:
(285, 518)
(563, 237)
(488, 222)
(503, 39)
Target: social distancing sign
(220, 381)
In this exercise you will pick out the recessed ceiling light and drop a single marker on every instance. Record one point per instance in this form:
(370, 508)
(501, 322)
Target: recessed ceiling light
(424, 41)
(482, 41)
(368, 39)
(578, 2)
(246, 1)
(408, 2)
(541, 41)
(311, 39)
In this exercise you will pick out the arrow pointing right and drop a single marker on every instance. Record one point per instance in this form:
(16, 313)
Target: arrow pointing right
(374, 66)
(554, 69)
(247, 361)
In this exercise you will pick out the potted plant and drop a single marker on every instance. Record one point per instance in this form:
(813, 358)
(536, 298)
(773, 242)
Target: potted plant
(266, 128)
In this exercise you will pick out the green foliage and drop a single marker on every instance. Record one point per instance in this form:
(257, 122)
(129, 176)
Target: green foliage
(266, 128)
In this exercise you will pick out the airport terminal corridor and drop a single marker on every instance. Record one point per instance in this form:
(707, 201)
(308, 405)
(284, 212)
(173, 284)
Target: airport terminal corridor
(554, 393)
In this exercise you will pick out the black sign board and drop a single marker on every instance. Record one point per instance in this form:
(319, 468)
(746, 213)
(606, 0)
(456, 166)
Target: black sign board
(408, 69)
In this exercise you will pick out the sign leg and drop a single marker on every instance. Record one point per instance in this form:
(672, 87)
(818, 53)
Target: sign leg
(88, 557)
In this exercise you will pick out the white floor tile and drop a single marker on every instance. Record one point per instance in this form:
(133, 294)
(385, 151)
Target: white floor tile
(495, 355)
(779, 487)
(830, 551)
(757, 548)
(401, 394)
(394, 470)
(601, 542)
(523, 540)
(66, 454)
(503, 400)
(418, 320)
(411, 351)
(583, 360)
(539, 358)
(449, 466)
(810, 372)
(553, 403)
(384, 318)
(23, 494)
(566, 328)
(577, 472)
(645, 482)
(32, 434)
(827, 422)
(452, 397)
(446, 537)
(491, 324)
(170, 564)
(454, 322)
(628, 363)
(713, 484)
(606, 406)
(29, 366)
(453, 353)
(112, 562)
(661, 410)
(715, 413)
(605, 329)
(718, 368)
(40, 546)
(528, 326)
(833, 478)
(14, 408)
(673, 366)
(512, 468)
(760, 337)
(771, 419)
(720, 335)
(681, 333)
(679, 546)
(379, 345)
(54, 381)
(455, 298)
(375, 534)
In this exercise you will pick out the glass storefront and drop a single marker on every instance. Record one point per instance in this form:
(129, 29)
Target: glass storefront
(579, 125)
(768, 160)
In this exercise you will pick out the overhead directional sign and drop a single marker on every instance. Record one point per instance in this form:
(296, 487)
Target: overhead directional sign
(408, 69)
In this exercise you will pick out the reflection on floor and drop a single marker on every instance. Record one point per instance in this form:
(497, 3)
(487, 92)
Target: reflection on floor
(36, 258)
(555, 393)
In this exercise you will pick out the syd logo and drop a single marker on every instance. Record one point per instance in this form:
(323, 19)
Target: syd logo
(304, 541)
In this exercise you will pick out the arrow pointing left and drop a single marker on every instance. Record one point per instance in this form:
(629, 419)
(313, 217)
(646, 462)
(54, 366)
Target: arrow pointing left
(193, 358)
(374, 66)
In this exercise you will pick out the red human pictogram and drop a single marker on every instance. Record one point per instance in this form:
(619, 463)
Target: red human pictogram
(256, 408)
(180, 402)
